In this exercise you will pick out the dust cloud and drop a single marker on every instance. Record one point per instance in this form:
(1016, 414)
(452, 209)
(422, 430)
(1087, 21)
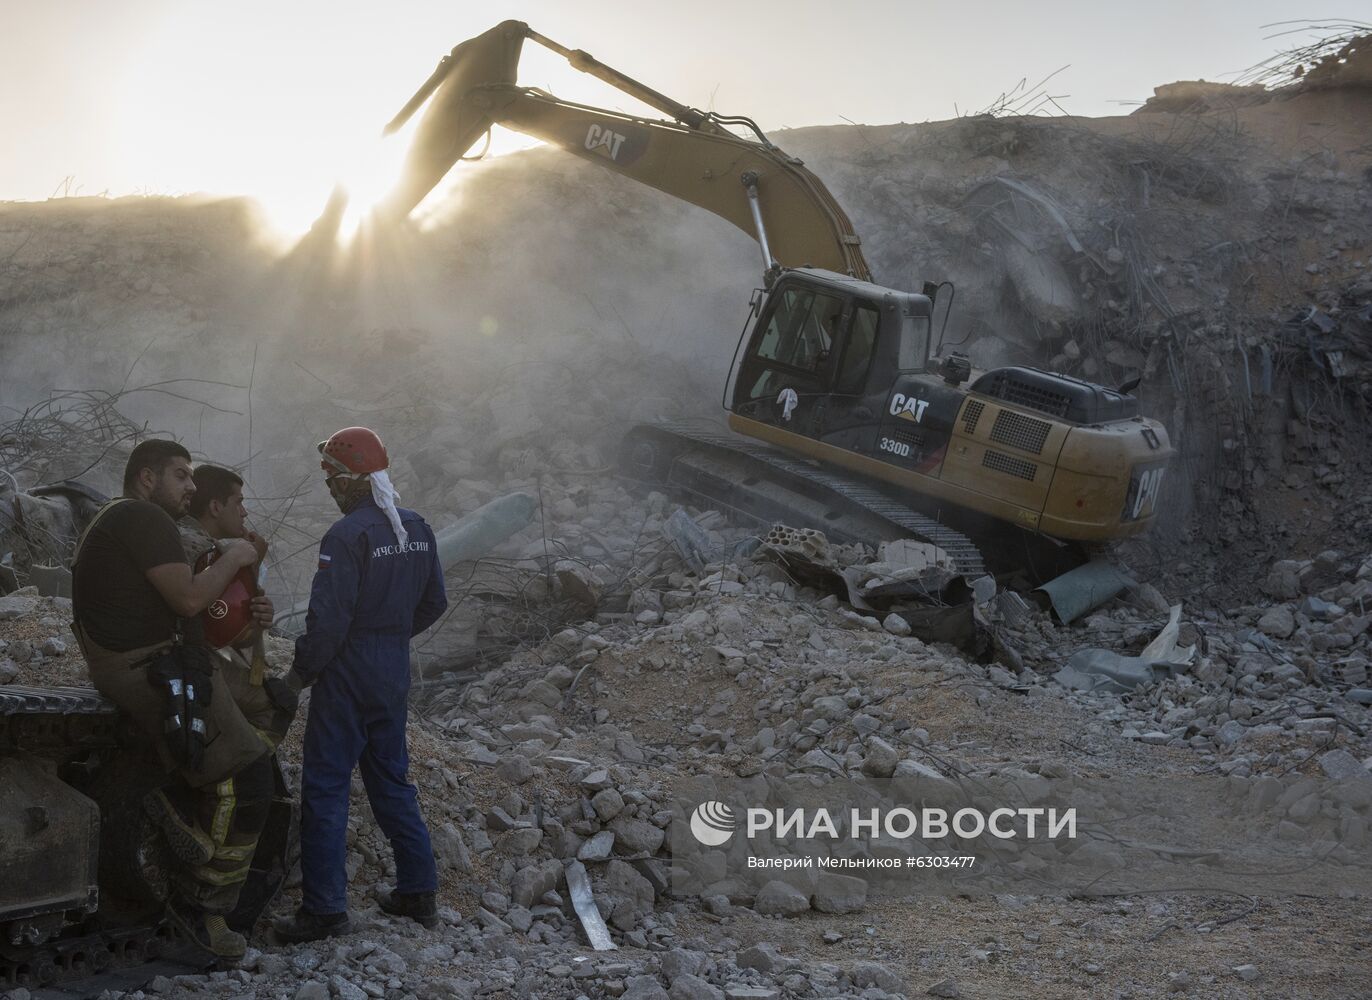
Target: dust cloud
(538, 305)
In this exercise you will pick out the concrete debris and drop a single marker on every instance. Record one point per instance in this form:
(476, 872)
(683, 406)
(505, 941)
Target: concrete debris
(866, 974)
(839, 894)
(583, 901)
(895, 624)
(1278, 622)
(578, 583)
(689, 540)
(51, 581)
(781, 899)
(1102, 670)
(805, 544)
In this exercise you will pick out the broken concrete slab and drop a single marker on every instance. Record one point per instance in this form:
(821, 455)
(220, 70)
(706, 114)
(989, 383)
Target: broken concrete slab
(1103, 670)
(839, 894)
(1278, 622)
(1339, 765)
(782, 899)
(597, 848)
(578, 582)
(583, 903)
(51, 581)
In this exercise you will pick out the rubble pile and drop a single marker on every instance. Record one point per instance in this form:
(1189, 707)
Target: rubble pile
(567, 753)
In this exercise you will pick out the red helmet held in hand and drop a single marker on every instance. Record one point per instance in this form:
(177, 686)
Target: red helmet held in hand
(228, 620)
(355, 450)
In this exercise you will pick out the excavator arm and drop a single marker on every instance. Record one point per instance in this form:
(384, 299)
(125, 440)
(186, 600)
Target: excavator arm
(768, 194)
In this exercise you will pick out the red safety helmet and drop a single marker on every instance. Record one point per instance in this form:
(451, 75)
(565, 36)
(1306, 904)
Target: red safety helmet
(228, 620)
(353, 449)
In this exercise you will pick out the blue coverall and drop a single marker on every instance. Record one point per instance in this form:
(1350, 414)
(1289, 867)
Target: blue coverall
(368, 599)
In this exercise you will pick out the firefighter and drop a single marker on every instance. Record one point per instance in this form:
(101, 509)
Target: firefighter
(216, 514)
(377, 585)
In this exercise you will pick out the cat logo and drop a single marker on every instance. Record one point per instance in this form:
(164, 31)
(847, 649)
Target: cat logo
(1144, 486)
(605, 141)
(788, 401)
(908, 407)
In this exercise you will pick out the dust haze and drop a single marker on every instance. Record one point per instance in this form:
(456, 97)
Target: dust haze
(538, 305)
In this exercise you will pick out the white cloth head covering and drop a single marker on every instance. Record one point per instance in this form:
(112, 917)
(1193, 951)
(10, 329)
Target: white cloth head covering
(385, 496)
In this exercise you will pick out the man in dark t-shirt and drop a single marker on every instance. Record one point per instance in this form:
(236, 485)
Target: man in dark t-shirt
(119, 606)
(133, 595)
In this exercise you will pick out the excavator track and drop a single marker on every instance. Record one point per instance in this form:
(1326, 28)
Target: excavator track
(716, 467)
(85, 966)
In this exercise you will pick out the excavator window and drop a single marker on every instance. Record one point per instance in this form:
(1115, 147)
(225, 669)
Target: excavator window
(913, 352)
(857, 354)
(801, 328)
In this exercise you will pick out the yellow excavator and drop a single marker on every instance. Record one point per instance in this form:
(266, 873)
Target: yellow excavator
(877, 439)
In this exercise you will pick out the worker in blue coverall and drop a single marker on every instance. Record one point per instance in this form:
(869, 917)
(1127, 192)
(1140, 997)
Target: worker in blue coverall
(378, 584)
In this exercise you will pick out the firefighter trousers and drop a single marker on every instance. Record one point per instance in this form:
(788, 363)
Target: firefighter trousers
(224, 802)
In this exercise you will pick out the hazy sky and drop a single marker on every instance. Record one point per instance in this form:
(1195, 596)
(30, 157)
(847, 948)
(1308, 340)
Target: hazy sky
(279, 99)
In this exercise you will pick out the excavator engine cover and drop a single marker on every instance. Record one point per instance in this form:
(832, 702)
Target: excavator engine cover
(228, 620)
(1062, 396)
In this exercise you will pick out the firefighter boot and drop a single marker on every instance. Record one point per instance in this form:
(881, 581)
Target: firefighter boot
(208, 932)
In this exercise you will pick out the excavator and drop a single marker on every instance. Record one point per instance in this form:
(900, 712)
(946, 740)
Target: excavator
(854, 427)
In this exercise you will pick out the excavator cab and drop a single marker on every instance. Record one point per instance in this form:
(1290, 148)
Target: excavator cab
(823, 356)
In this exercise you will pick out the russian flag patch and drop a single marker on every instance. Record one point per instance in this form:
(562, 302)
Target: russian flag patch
(324, 561)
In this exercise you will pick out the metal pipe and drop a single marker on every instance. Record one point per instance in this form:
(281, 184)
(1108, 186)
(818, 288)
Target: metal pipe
(420, 96)
(749, 179)
(1083, 589)
(587, 63)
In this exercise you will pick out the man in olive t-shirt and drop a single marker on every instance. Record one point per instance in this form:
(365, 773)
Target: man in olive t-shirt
(130, 585)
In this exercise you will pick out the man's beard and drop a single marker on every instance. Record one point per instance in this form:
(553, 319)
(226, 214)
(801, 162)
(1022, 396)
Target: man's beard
(175, 503)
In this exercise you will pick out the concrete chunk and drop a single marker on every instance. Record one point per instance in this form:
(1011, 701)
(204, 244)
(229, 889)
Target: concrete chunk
(781, 899)
(839, 894)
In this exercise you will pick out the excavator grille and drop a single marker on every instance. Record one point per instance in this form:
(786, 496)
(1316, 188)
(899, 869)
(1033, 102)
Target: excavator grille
(1022, 392)
(971, 413)
(1018, 431)
(1009, 465)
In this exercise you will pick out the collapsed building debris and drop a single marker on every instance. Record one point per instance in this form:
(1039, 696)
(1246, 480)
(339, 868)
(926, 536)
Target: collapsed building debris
(1103, 670)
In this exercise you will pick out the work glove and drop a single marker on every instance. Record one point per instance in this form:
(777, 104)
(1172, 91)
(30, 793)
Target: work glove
(282, 694)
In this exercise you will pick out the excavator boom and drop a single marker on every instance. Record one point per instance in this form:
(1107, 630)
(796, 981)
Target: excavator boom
(692, 157)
